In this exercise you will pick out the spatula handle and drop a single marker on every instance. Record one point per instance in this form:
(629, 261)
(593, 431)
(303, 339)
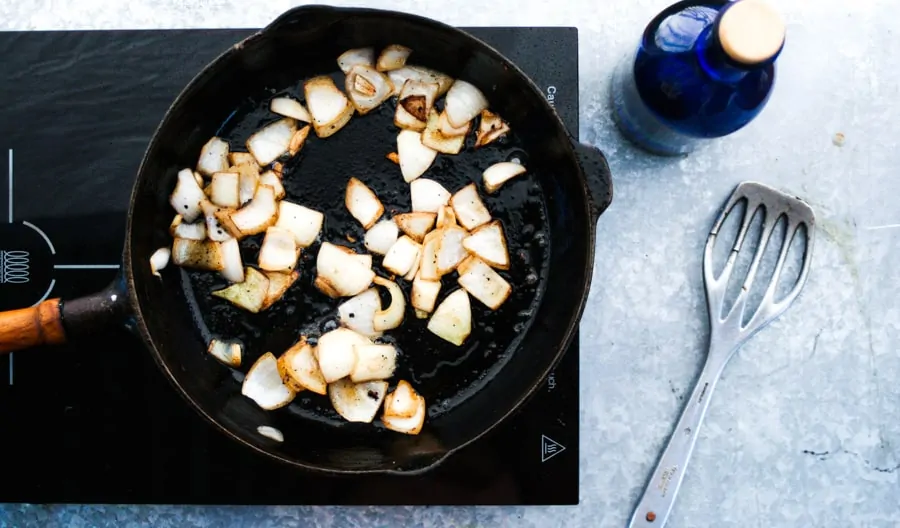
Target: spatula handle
(659, 496)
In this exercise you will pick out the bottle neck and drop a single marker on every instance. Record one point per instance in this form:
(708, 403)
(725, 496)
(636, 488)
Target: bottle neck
(717, 62)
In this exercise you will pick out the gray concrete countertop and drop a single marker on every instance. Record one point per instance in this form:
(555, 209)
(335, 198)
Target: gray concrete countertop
(804, 429)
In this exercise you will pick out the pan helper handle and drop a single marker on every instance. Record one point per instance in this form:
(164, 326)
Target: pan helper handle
(29, 327)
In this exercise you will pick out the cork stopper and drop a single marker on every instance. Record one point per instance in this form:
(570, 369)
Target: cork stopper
(751, 31)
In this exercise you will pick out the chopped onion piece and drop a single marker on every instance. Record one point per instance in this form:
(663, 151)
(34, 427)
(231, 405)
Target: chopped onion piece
(186, 197)
(483, 283)
(336, 352)
(325, 287)
(225, 352)
(270, 433)
(393, 157)
(450, 249)
(263, 384)
(452, 320)
(402, 255)
(242, 158)
(214, 229)
(415, 158)
(197, 254)
(446, 217)
(433, 138)
(414, 270)
(279, 251)
(393, 57)
(303, 222)
(420, 74)
(490, 129)
(350, 58)
(392, 316)
(381, 237)
(414, 103)
(279, 283)
(411, 425)
(344, 273)
(328, 106)
(424, 294)
(489, 244)
(272, 180)
(249, 294)
(224, 189)
(362, 203)
(289, 108)
(428, 196)
(428, 267)
(299, 369)
(464, 102)
(470, 210)
(403, 402)
(272, 141)
(159, 260)
(367, 88)
(249, 180)
(448, 130)
(232, 264)
(182, 229)
(255, 217)
(213, 157)
(416, 225)
(499, 173)
(298, 140)
(357, 402)
(374, 362)
(358, 312)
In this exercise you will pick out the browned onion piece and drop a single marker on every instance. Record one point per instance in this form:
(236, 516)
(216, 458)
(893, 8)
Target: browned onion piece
(224, 190)
(263, 384)
(416, 225)
(186, 197)
(197, 254)
(279, 283)
(490, 129)
(181, 229)
(415, 157)
(213, 157)
(415, 101)
(253, 218)
(272, 141)
(421, 74)
(367, 88)
(159, 260)
(329, 107)
(225, 352)
(279, 251)
(499, 173)
(489, 244)
(392, 57)
(248, 295)
(289, 108)
(362, 203)
(469, 209)
(483, 283)
(434, 139)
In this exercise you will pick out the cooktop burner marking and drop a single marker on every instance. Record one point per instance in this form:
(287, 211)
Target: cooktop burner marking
(43, 235)
(550, 448)
(10, 202)
(9, 205)
(86, 266)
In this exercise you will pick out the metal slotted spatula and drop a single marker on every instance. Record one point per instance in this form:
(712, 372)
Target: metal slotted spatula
(731, 327)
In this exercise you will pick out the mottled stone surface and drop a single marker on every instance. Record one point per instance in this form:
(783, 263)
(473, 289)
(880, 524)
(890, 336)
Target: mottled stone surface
(804, 429)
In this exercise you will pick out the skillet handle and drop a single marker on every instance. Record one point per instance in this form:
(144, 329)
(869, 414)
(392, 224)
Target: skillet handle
(54, 321)
(596, 170)
(29, 327)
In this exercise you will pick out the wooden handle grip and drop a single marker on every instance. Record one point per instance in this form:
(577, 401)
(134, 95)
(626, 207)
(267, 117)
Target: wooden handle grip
(28, 327)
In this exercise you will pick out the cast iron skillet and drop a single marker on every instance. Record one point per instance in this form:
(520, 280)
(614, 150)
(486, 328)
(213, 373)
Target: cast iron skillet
(549, 218)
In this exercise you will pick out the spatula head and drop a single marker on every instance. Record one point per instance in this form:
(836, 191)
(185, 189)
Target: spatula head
(798, 221)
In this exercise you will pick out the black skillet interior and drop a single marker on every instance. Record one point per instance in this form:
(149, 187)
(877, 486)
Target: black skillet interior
(546, 218)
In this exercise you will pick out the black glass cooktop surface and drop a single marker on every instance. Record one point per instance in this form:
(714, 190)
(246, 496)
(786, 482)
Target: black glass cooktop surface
(95, 421)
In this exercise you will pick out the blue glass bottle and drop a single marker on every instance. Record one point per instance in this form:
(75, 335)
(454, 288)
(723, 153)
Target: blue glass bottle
(703, 69)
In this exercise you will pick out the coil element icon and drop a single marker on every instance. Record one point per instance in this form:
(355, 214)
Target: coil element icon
(14, 266)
